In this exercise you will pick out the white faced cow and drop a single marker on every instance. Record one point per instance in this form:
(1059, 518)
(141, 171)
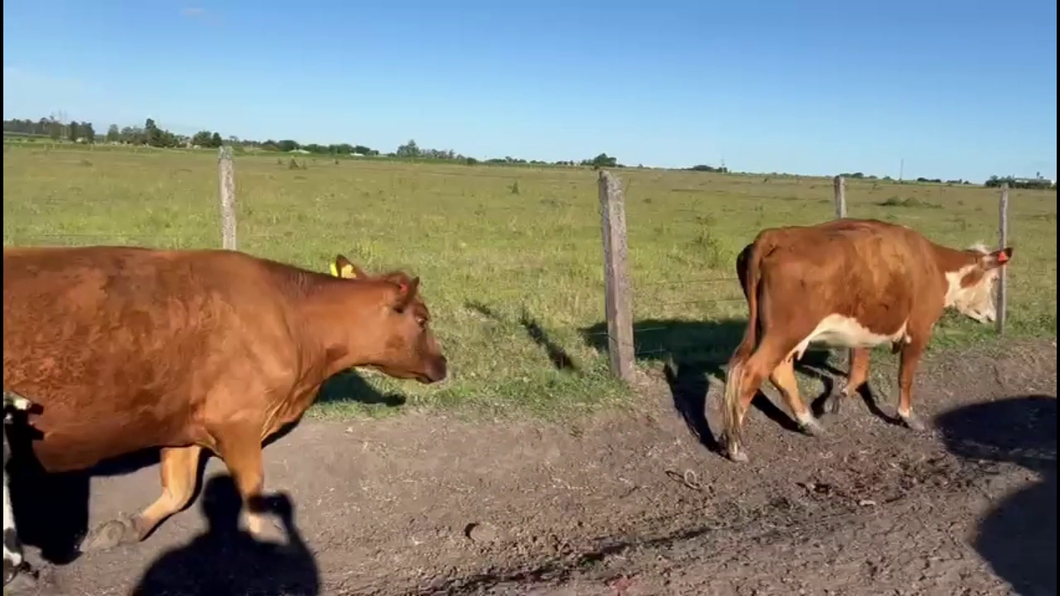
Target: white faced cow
(847, 283)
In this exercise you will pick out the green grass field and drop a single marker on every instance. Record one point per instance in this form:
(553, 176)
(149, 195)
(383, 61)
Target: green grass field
(510, 257)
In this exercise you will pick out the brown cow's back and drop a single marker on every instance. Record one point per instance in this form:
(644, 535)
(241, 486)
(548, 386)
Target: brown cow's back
(132, 346)
(866, 270)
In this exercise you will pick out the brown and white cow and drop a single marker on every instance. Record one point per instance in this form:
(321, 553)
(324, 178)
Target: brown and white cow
(129, 348)
(846, 283)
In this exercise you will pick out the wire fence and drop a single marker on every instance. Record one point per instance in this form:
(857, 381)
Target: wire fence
(624, 336)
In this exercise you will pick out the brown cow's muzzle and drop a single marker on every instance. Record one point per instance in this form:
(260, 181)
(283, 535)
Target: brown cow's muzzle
(435, 371)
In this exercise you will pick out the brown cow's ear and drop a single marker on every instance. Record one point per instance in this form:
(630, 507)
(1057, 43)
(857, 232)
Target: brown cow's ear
(342, 267)
(406, 290)
(999, 258)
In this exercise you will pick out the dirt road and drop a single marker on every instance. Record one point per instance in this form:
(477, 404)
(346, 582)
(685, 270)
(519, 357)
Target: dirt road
(631, 503)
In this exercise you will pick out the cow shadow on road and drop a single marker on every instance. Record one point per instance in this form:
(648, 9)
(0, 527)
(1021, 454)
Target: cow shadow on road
(1017, 536)
(53, 509)
(225, 559)
(695, 354)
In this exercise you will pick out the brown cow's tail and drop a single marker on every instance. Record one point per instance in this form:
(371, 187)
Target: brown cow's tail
(748, 269)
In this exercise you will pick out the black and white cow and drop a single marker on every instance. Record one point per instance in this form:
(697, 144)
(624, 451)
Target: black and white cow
(13, 559)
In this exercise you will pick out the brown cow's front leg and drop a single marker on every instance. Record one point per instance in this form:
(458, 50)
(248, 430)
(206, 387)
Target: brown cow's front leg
(910, 360)
(179, 469)
(858, 375)
(240, 448)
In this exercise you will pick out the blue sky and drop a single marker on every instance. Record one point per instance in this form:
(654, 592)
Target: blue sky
(957, 89)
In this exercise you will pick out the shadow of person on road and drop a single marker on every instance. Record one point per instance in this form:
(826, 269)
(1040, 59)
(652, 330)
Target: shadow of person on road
(227, 560)
(53, 508)
(1018, 535)
(696, 353)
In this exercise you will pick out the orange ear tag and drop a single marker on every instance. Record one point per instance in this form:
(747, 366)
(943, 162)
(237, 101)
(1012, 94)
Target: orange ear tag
(1002, 257)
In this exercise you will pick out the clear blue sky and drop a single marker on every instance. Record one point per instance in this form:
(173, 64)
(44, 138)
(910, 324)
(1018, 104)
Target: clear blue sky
(957, 88)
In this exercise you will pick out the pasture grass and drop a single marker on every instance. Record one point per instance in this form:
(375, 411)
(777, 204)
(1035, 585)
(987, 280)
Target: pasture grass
(510, 257)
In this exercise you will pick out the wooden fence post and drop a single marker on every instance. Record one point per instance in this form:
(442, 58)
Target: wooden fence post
(228, 198)
(1002, 282)
(840, 187)
(618, 302)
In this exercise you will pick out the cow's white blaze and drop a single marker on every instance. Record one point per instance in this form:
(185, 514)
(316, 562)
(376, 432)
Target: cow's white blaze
(975, 301)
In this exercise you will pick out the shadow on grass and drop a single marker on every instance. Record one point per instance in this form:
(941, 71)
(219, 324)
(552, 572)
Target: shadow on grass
(350, 386)
(696, 353)
(1018, 535)
(559, 358)
(53, 508)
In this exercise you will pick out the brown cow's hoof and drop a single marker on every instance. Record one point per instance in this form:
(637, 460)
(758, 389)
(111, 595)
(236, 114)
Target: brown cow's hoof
(912, 421)
(811, 427)
(266, 531)
(110, 534)
(736, 454)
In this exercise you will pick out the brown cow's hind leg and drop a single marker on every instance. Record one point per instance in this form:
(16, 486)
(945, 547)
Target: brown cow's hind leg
(240, 448)
(858, 375)
(784, 378)
(751, 375)
(179, 469)
(910, 360)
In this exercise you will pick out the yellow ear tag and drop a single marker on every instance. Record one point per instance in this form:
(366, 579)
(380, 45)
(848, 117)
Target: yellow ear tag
(347, 271)
(334, 270)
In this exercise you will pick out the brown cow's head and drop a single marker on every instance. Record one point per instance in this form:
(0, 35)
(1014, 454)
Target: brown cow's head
(971, 287)
(402, 344)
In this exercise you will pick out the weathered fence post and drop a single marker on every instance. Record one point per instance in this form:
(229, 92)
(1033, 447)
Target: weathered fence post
(228, 198)
(840, 185)
(1002, 282)
(618, 301)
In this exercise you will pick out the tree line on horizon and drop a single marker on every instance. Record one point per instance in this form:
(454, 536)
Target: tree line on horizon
(150, 134)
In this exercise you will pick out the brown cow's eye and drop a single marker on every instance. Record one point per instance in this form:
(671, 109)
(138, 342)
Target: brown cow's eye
(421, 321)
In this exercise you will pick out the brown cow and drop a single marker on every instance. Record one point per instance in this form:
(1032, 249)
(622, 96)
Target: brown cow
(846, 283)
(131, 348)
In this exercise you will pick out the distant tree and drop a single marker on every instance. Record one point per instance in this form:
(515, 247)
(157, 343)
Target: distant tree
(152, 134)
(602, 161)
(202, 138)
(215, 140)
(410, 149)
(705, 168)
(132, 135)
(113, 133)
(88, 133)
(362, 150)
(287, 145)
(55, 129)
(72, 130)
